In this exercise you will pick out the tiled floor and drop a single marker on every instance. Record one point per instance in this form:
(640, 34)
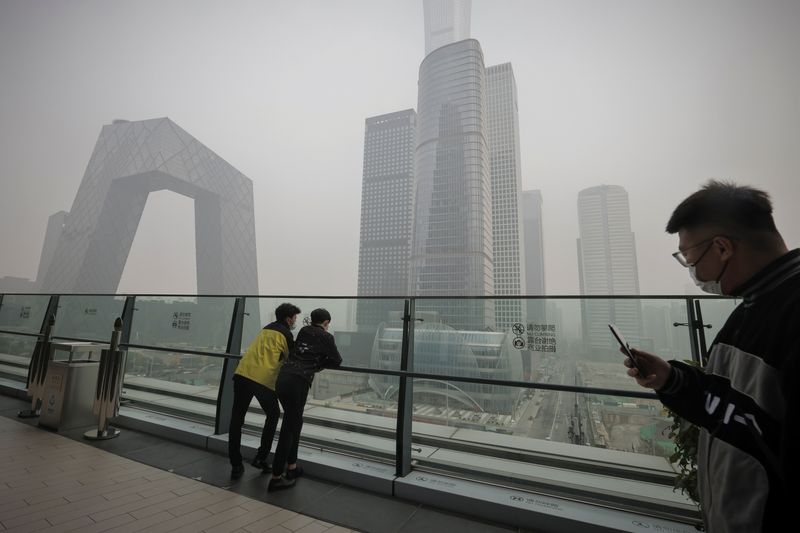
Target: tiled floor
(102, 475)
(51, 483)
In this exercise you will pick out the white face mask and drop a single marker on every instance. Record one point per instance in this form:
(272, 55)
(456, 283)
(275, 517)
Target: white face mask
(711, 287)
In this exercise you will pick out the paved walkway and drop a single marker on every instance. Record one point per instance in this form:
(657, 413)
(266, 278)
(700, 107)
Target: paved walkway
(52, 483)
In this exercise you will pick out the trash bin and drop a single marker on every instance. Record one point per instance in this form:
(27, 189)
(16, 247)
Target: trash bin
(70, 386)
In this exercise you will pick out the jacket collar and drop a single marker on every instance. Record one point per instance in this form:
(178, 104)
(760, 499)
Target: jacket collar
(771, 276)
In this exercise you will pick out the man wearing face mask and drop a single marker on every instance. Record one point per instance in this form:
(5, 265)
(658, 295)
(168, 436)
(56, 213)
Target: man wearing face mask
(255, 376)
(745, 401)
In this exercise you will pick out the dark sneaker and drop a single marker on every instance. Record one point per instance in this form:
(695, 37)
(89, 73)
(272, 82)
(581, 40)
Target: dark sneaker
(237, 471)
(261, 462)
(279, 483)
(294, 473)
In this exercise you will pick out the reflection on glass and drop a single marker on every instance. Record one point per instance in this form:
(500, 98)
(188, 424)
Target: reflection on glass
(191, 323)
(87, 317)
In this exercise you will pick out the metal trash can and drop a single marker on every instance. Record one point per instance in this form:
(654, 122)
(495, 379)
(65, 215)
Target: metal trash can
(70, 385)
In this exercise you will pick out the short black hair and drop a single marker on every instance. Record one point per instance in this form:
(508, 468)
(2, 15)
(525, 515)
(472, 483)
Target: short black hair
(286, 310)
(318, 316)
(739, 209)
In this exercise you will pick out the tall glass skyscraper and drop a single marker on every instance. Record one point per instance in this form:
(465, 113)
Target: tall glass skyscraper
(446, 21)
(607, 266)
(386, 212)
(502, 133)
(452, 240)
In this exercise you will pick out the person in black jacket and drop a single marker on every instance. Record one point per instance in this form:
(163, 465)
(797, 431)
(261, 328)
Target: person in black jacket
(313, 351)
(746, 399)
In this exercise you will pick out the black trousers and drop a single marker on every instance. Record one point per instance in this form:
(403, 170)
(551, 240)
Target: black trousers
(292, 392)
(243, 391)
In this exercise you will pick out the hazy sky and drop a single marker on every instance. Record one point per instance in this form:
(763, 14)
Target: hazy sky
(654, 96)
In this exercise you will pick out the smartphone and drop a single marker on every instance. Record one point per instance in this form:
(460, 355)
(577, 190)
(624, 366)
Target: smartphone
(625, 347)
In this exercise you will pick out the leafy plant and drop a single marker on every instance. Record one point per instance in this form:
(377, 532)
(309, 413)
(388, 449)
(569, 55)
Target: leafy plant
(684, 434)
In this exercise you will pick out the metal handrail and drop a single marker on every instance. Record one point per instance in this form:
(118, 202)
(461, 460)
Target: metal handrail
(399, 373)
(24, 334)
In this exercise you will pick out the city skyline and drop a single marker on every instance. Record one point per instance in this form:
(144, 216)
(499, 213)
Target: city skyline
(644, 111)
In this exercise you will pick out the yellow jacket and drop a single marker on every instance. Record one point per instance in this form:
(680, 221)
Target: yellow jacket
(263, 358)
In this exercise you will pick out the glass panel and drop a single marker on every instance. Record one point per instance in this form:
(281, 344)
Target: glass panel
(173, 382)
(519, 446)
(15, 355)
(648, 324)
(344, 412)
(560, 341)
(23, 312)
(191, 323)
(88, 317)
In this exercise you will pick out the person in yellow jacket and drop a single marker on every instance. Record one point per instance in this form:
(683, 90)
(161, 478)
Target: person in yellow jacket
(255, 376)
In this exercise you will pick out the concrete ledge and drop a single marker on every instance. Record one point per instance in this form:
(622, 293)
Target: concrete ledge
(15, 389)
(363, 474)
(184, 431)
(498, 504)
(524, 509)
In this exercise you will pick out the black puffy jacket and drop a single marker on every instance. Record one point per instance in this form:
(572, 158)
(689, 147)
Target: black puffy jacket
(314, 349)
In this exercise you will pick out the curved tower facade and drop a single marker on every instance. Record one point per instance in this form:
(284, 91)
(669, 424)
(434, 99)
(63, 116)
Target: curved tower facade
(452, 238)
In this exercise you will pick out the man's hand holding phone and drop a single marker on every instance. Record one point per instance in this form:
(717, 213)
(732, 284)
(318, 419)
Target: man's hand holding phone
(652, 372)
(649, 370)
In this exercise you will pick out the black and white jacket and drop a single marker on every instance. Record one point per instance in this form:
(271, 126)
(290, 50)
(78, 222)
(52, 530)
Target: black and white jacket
(314, 350)
(746, 402)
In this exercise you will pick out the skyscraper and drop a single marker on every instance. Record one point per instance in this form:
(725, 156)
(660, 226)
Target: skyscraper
(452, 240)
(386, 212)
(55, 225)
(534, 242)
(446, 21)
(130, 160)
(536, 308)
(607, 266)
(502, 132)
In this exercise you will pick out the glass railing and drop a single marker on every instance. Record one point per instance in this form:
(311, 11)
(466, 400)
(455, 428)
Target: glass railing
(529, 392)
(176, 353)
(21, 318)
(87, 317)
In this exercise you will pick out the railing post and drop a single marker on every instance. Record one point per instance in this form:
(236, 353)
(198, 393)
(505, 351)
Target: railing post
(109, 385)
(222, 420)
(127, 320)
(692, 323)
(405, 393)
(37, 367)
(701, 333)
